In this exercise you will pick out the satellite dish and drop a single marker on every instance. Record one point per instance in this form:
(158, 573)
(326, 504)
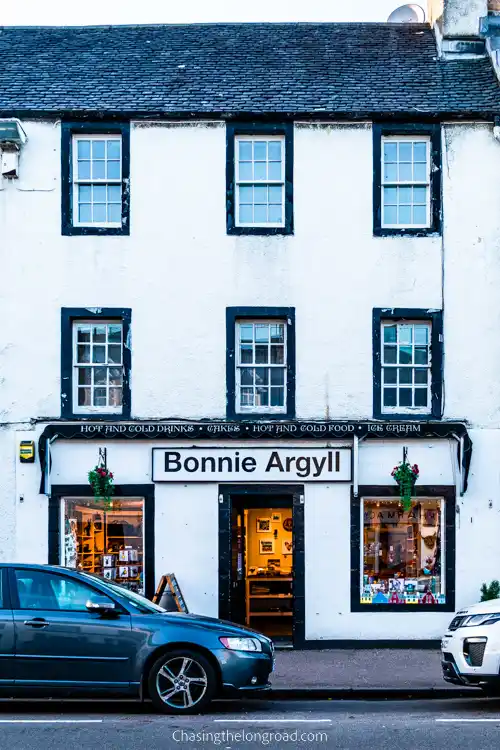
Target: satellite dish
(407, 14)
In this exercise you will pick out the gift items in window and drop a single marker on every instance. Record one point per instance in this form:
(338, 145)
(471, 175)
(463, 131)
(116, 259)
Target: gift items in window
(107, 541)
(403, 552)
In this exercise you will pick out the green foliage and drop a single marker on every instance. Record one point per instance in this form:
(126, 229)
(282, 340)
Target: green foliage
(101, 481)
(491, 591)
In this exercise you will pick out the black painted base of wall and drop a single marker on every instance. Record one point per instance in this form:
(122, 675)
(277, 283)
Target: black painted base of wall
(370, 644)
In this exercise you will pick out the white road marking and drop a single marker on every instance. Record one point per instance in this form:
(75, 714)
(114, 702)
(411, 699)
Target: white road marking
(467, 721)
(273, 721)
(51, 721)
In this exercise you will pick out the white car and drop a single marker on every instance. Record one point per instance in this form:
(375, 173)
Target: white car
(470, 649)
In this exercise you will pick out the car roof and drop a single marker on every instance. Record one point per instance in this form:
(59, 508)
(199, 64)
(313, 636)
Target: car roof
(37, 566)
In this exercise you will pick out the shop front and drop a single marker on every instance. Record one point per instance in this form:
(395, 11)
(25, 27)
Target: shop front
(296, 529)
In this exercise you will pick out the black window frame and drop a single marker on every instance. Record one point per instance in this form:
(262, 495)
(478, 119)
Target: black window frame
(400, 315)
(433, 131)
(70, 315)
(449, 495)
(233, 315)
(68, 130)
(257, 128)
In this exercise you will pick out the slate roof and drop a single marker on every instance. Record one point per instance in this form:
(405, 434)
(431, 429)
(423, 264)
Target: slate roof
(347, 69)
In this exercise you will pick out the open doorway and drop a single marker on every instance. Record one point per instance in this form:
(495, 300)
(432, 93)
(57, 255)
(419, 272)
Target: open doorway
(262, 564)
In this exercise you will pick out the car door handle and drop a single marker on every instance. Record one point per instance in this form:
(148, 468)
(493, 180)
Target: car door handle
(37, 622)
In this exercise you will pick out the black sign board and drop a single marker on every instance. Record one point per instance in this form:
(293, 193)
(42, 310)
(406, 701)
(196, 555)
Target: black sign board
(169, 590)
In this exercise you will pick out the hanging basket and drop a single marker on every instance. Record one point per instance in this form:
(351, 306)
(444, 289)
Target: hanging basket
(405, 476)
(101, 481)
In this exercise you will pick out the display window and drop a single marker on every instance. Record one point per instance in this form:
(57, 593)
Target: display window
(402, 555)
(105, 538)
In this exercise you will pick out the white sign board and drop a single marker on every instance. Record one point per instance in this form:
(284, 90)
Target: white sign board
(251, 464)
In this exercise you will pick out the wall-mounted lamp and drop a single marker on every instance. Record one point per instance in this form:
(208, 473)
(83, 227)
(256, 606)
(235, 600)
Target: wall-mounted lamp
(12, 137)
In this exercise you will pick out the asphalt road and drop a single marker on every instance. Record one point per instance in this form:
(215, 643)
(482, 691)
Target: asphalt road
(252, 725)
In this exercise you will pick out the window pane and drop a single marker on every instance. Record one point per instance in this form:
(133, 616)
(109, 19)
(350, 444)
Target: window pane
(420, 151)
(261, 397)
(246, 397)
(390, 334)
(246, 376)
(115, 375)
(275, 214)
(277, 376)
(84, 376)
(259, 170)
(274, 150)
(246, 354)
(260, 150)
(390, 375)
(390, 173)
(277, 355)
(100, 376)
(405, 172)
(114, 149)
(99, 193)
(114, 333)
(420, 173)
(390, 196)
(84, 194)
(245, 170)
(262, 333)
(83, 170)
(405, 151)
(114, 193)
(421, 376)
(390, 215)
(261, 376)
(260, 194)
(246, 194)
(114, 354)
(404, 215)
(98, 149)
(115, 397)
(84, 397)
(83, 333)
(420, 195)
(390, 355)
(83, 149)
(275, 194)
(405, 397)
(262, 354)
(274, 172)
(277, 334)
(245, 150)
(421, 397)
(421, 355)
(100, 397)
(98, 170)
(405, 355)
(113, 170)
(402, 552)
(420, 215)
(277, 396)
(405, 334)
(260, 214)
(405, 194)
(114, 213)
(390, 151)
(405, 374)
(83, 353)
(99, 334)
(246, 214)
(84, 213)
(99, 213)
(98, 354)
(246, 333)
(390, 396)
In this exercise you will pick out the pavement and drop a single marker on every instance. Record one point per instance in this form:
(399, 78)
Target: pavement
(362, 673)
(253, 725)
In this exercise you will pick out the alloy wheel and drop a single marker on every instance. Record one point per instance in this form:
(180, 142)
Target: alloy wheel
(181, 682)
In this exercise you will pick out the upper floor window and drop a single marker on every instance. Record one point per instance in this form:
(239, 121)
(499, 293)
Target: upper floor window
(95, 172)
(95, 362)
(97, 180)
(259, 170)
(407, 363)
(98, 365)
(261, 366)
(260, 181)
(406, 366)
(406, 179)
(405, 182)
(261, 362)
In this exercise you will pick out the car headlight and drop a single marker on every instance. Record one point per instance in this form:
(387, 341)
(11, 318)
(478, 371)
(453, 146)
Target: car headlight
(488, 619)
(241, 644)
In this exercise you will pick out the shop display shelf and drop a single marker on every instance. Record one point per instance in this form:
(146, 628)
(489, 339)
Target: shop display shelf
(270, 614)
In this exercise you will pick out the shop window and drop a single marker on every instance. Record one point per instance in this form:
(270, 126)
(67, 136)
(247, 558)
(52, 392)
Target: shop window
(402, 554)
(95, 362)
(105, 538)
(261, 362)
(407, 363)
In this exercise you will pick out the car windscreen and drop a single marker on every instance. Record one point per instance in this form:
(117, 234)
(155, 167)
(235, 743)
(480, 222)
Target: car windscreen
(140, 603)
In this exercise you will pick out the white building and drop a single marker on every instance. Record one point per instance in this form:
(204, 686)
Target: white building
(252, 265)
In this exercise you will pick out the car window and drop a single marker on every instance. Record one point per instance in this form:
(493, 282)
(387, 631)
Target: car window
(43, 590)
(136, 600)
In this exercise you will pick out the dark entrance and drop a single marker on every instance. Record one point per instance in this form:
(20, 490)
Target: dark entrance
(261, 559)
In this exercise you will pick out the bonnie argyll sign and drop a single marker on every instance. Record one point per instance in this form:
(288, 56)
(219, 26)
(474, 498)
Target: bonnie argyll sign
(251, 464)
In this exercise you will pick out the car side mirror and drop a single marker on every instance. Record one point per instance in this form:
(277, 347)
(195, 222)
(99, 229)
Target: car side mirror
(101, 606)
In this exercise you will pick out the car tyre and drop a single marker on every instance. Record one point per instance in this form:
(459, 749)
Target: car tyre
(182, 682)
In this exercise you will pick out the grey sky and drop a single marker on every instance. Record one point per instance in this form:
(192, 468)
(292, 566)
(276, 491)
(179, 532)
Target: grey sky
(59, 12)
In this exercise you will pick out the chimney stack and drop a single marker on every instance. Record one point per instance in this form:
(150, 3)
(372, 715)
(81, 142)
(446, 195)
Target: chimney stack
(457, 24)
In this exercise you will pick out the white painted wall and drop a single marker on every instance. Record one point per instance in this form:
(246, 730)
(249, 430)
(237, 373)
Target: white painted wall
(332, 270)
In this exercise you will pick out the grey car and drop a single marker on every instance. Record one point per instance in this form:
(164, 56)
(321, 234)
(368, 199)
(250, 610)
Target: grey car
(69, 632)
